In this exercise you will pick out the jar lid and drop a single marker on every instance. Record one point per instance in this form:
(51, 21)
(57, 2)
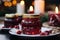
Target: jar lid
(31, 16)
(9, 15)
(17, 14)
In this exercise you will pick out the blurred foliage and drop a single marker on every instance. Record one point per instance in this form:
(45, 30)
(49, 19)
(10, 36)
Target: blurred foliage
(44, 18)
(2, 13)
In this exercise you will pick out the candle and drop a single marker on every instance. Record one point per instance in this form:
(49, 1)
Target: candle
(39, 6)
(56, 9)
(14, 2)
(31, 10)
(20, 7)
(54, 17)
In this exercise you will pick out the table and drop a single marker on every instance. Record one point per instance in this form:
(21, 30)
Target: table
(4, 35)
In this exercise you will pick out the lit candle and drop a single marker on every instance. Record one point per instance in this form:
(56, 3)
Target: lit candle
(54, 17)
(21, 7)
(57, 13)
(14, 2)
(56, 10)
(39, 6)
(31, 10)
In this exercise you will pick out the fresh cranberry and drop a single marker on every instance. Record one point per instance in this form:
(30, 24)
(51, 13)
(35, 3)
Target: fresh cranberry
(49, 31)
(27, 33)
(18, 32)
(40, 31)
(16, 26)
(33, 33)
(43, 33)
(9, 27)
(3, 27)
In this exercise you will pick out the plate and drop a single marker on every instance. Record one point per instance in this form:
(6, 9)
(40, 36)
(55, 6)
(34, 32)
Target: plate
(6, 28)
(2, 25)
(13, 32)
(45, 24)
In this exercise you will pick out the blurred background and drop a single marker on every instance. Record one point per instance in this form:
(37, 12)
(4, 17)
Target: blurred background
(11, 8)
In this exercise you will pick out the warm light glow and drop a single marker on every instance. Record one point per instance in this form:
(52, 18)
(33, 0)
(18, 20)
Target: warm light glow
(22, 2)
(39, 6)
(9, 4)
(14, 2)
(56, 9)
(33, 3)
(31, 8)
(5, 3)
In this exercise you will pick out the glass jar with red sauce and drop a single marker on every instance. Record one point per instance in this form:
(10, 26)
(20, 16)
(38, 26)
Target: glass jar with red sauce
(10, 21)
(54, 19)
(19, 17)
(31, 24)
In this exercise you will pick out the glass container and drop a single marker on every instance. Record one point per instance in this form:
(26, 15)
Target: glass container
(31, 24)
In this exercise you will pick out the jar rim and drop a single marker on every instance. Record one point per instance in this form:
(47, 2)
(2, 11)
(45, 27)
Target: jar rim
(18, 14)
(30, 14)
(9, 15)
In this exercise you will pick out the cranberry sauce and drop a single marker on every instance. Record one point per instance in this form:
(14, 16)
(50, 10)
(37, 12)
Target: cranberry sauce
(12, 21)
(54, 19)
(19, 19)
(31, 25)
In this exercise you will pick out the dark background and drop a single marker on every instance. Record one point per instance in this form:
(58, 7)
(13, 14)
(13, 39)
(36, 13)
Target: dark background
(49, 5)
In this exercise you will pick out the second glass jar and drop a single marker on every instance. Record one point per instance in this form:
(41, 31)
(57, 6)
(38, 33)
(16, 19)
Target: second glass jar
(31, 24)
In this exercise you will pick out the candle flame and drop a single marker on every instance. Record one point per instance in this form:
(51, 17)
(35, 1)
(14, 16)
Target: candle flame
(31, 8)
(22, 2)
(56, 9)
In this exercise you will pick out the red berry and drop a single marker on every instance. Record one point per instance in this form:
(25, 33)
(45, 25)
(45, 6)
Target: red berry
(27, 33)
(40, 31)
(33, 33)
(18, 32)
(10, 27)
(43, 33)
(3, 27)
(16, 27)
(49, 31)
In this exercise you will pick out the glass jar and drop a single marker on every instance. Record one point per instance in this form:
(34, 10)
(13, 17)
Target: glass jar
(10, 21)
(31, 24)
(19, 17)
(54, 19)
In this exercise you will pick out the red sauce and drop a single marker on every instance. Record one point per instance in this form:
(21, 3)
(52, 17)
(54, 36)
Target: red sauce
(31, 25)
